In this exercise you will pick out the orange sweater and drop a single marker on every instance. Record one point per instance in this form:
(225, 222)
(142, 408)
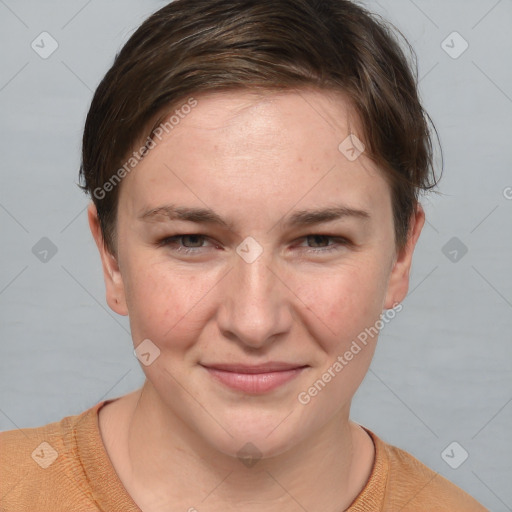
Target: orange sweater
(63, 466)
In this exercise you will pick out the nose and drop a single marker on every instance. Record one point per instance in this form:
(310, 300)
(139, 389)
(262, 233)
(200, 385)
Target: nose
(256, 305)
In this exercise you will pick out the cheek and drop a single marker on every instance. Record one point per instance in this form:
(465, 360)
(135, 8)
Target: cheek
(345, 301)
(164, 301)
(348, 303)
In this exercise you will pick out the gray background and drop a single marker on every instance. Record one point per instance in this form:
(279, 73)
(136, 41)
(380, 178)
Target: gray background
(442, 370)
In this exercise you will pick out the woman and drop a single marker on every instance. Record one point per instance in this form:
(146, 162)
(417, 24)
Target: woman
(254, 169)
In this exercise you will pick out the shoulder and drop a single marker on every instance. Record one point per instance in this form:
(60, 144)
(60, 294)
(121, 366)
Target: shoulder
(33, 460)
(412, 486)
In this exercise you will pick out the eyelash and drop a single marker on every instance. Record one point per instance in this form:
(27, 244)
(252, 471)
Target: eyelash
(340, 241)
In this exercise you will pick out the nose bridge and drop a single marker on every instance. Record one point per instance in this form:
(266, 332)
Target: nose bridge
(254, 308)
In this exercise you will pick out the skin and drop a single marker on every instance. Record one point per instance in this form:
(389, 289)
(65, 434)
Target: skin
(254, 159)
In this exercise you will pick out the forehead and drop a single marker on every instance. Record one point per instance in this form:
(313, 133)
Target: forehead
(242, 148)
(256, 117)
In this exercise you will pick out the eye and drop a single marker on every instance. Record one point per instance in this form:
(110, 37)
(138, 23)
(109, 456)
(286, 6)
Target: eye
(338, 243)
(190, 243)
(193, 243)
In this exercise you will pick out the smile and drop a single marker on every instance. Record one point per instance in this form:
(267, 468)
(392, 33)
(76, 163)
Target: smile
(254, 379)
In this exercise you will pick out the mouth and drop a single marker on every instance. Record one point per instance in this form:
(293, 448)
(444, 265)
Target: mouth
(254, 379)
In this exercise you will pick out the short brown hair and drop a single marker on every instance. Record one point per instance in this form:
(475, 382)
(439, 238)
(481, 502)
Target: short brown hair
(193, 46)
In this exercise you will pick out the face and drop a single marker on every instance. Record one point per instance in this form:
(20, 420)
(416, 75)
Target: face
(252, 253)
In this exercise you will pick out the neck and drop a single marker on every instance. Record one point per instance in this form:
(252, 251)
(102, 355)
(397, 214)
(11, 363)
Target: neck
(168, 466)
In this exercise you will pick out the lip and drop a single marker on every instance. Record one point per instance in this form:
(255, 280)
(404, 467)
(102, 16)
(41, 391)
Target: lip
(254, 379)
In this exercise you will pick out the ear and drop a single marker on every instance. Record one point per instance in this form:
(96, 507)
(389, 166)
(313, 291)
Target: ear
(115, 293)
(398, 284)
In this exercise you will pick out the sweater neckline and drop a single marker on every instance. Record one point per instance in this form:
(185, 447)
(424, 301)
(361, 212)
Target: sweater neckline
(108, 491)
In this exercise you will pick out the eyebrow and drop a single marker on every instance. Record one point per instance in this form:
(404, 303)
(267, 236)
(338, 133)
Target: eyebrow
(207, 216)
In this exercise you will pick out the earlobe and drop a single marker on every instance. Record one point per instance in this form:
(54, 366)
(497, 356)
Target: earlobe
(114, 286)
(398, 284)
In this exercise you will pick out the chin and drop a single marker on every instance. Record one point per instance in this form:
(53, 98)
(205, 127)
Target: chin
(252, 446)
(255, 435)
